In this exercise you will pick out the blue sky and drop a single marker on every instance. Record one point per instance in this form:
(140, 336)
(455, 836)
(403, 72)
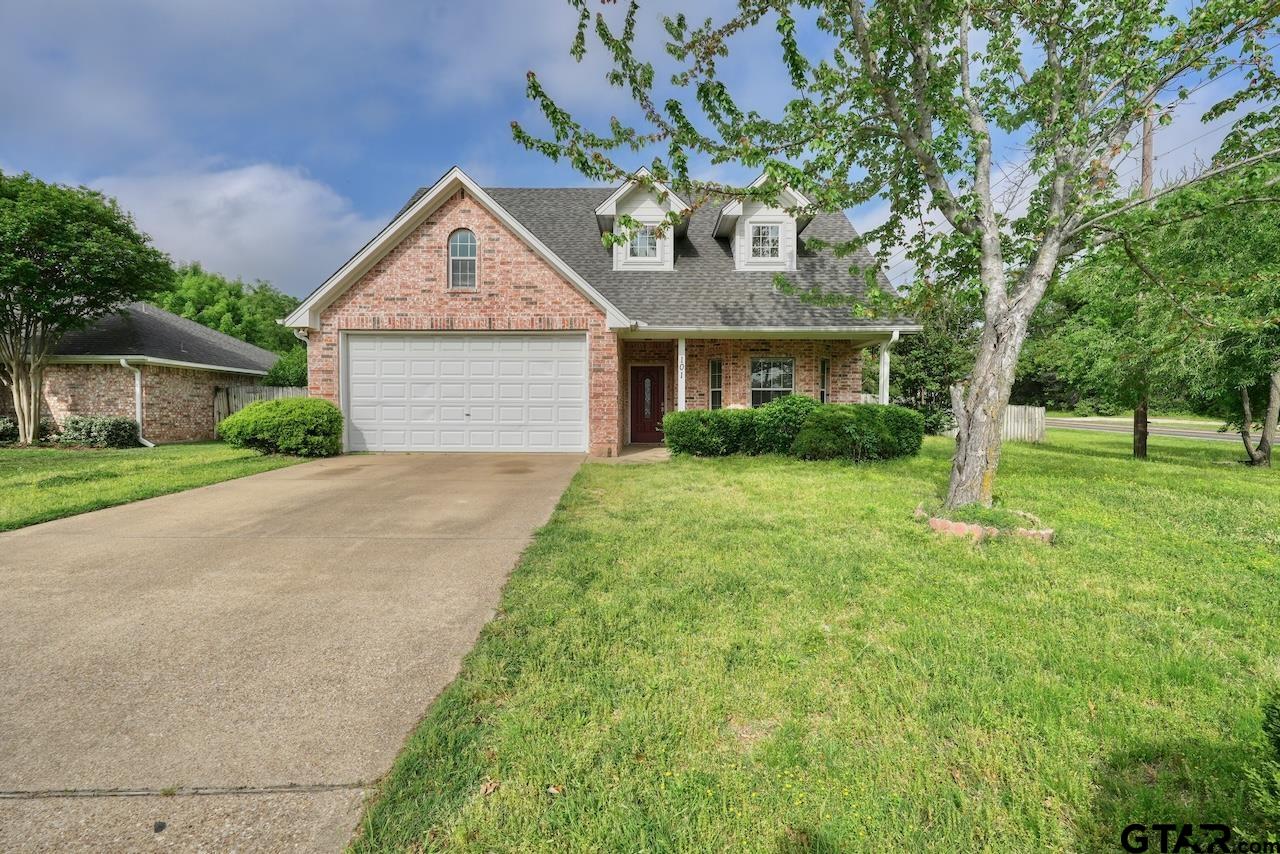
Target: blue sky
(271, 139)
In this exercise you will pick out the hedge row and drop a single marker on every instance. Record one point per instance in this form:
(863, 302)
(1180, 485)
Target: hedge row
(799, 426)
(94, 431)
(99, 431)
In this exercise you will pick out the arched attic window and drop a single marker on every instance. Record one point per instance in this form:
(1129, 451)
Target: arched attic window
(462, 260)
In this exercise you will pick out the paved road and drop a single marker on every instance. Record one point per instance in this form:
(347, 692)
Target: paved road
(282, 629)
(1153, 429)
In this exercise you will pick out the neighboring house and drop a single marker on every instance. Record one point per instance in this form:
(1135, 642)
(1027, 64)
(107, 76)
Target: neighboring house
(170, 368)
(496, 320)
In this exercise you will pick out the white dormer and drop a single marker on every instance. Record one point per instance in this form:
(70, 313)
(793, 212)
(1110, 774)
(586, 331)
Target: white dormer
(763, 237)
(644, 249)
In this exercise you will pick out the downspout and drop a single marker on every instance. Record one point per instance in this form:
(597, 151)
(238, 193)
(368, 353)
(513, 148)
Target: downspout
(137, 400)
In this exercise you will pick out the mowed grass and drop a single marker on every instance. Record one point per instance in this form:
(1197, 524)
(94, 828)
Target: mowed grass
(772, 655)
(39, 484)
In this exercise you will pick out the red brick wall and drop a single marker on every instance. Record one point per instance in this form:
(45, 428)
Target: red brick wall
(736, 355)
(87, 390)
(846, 368)
(177, 403)
(518, 291)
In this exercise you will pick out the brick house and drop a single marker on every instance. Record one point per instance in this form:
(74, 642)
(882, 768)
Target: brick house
(496, 319)
(147, 364)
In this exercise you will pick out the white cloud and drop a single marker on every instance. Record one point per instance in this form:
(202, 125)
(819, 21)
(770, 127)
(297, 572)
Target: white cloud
(256, 222)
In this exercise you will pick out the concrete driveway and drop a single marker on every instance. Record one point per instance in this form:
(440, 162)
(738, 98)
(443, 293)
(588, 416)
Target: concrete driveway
(261, 647)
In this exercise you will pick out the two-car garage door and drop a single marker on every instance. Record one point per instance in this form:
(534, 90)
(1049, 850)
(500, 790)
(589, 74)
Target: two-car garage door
(466, 392)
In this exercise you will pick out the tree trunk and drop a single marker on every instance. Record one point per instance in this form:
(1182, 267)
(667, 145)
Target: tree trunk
(1268, 438)
(28, 382)
(1260, 454)
(979, 412)
(1140, 428)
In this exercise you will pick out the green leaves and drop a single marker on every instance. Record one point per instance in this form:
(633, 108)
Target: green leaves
(245, 311)
(68, 255)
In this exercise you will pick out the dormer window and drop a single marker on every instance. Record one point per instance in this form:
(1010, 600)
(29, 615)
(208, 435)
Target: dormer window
(643, 244)
(648, 207)
(764, 236)
(766, 241)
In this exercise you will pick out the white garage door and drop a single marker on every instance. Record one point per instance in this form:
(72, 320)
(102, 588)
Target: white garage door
(466, 392)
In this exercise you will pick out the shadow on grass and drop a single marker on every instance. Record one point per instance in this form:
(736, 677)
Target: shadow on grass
(1172, 782)
(1193, 457)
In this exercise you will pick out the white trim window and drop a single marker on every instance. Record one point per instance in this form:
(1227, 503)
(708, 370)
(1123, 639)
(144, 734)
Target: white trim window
(715, 384)
(462, 260)
(643, 243)
(824, 381)
(771, 379)
(766, 241)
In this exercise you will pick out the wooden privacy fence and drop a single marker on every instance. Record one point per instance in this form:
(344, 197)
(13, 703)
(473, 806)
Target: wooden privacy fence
(1023, 424)
(233, 398)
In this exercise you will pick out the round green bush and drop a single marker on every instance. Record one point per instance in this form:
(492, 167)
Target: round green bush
(865, 431)
(779, 421)
(300, 426)
(709, 433)
(8, 431)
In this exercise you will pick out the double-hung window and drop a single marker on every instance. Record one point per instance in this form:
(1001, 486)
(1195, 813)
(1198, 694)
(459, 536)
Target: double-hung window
(824, 381)
(715, 395)
(771, 379)
(766, 241)
(643, 243)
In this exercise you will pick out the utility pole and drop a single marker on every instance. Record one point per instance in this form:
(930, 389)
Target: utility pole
(1140, 425)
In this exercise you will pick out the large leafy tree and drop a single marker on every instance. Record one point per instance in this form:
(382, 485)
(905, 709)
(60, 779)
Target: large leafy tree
(923, 103)
(1187, 298)
(245, 311)
(68, 256)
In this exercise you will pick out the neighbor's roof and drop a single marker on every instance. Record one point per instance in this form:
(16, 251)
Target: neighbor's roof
(140, 329)
(704, 289)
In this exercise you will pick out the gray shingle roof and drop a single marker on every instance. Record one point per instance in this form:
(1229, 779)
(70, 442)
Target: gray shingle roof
(141, 329)
(704, 289)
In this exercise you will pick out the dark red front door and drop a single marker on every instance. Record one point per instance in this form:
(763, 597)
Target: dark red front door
(648, 402)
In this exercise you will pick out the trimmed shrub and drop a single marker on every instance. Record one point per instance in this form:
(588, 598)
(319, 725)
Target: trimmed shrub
(300, 426)
(99, 431)
(779, 421)
(865, 431)
(710, 433)
(8, 431)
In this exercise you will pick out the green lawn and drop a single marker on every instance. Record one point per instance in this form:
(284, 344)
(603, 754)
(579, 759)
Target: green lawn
(39, 484)
(771, 655)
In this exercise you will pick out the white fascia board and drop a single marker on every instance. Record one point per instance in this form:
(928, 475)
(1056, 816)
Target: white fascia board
(151, 360)
(877, 332)
(609, 207)
(307, 315)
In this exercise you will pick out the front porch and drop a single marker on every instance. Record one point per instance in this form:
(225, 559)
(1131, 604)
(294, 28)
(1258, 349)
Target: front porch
(658, 375)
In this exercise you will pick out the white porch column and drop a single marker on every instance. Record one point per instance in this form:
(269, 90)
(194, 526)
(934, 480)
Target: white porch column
(680, 375)
(884, 368)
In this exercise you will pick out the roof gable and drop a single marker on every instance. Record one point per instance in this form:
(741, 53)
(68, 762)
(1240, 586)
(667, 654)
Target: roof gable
(424, 203)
